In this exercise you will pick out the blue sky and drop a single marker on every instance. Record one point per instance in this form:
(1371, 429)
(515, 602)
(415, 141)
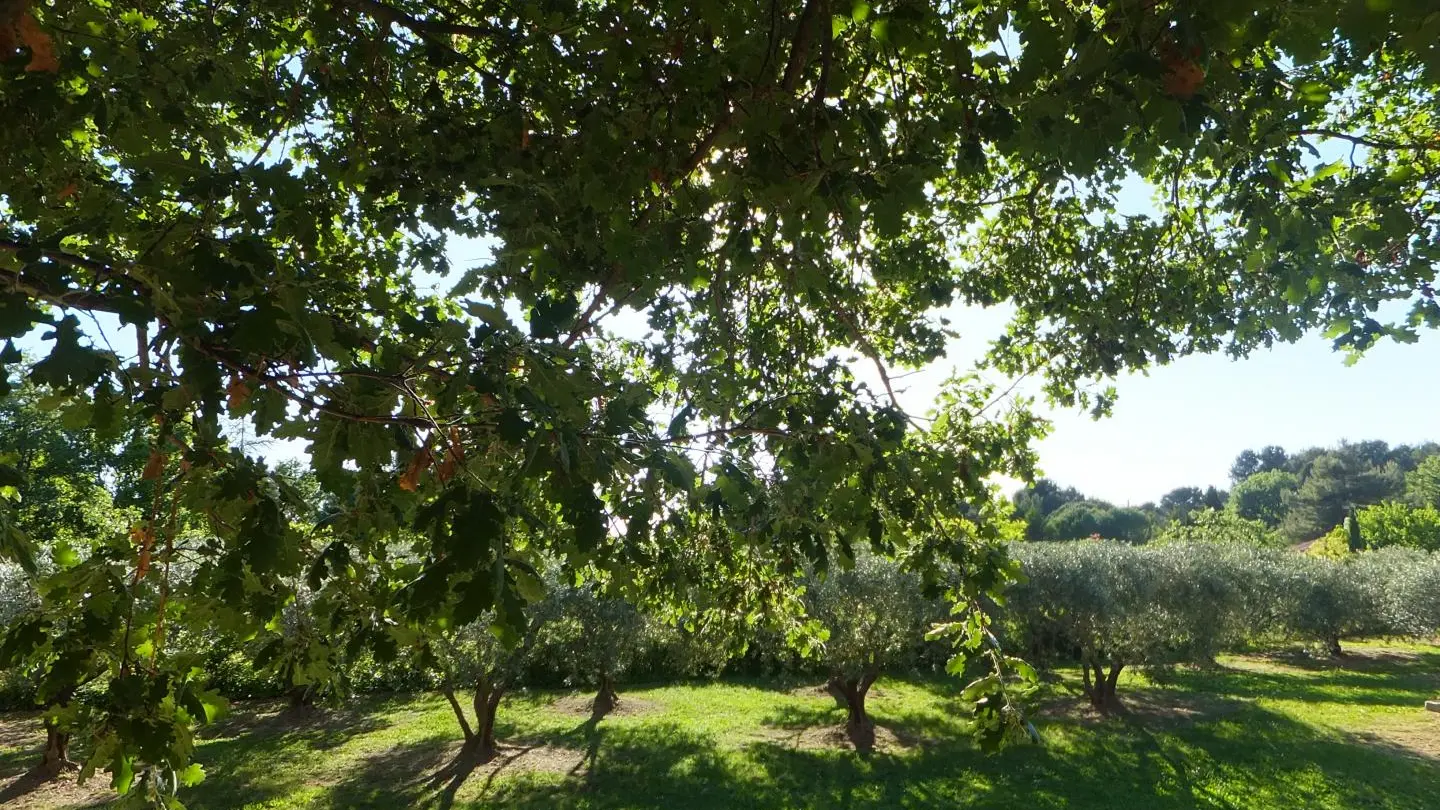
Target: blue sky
(1183, 424)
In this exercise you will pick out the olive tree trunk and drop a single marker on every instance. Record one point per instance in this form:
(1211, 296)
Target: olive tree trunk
(1332, 646)
(606, 698)
(852, 691)
(479, 738)
(1100, 685)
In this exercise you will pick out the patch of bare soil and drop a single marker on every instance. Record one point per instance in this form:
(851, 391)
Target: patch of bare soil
(23, 734)
(1358, 659)
(1417, 737)
(1149, 707)
(25, 793)
(580, 706)
(539, 758)
(834, 738)
(21, 729)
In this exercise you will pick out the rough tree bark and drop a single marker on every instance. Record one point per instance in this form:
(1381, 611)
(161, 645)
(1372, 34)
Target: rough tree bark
(479, 738)
(1100, 688)
(1332, 646)
(487, 704)
(606, 699)
(858, 725)
(55, 760)
(302, 697)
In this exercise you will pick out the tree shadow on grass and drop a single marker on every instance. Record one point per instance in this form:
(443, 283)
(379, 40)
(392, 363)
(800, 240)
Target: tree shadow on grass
(1366, 659)
(22, 739)
(1323, 686)
(253, 757)
(1244, 756)
(1258, 758)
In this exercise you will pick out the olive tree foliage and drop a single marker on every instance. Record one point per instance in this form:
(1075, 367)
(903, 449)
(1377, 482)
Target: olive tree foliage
(1325, 600)
(17, 597)
(474, 659)
(874, 616)
(1110, 605)
(1386, 591)
(590, 638)
(765, 188)
(1408, 592)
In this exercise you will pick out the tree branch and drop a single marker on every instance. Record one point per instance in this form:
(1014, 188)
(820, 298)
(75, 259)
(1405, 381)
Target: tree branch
(800, 47)
(1373, 143)
(425, 28)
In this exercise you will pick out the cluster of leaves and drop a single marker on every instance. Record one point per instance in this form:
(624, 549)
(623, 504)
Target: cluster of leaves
(1221, 526)
(767, 198)
(1301, 495)
(1112, 605)
(1050, 512)
(1308, 493)
(1384, 524)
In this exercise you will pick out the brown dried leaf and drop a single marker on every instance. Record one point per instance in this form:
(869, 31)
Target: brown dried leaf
(237, 393)
(42, 47)
(1183, 78)
(154, 466)
(410, 479)
(142, 566)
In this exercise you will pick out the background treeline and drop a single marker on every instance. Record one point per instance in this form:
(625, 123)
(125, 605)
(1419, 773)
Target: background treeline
(1276, 498)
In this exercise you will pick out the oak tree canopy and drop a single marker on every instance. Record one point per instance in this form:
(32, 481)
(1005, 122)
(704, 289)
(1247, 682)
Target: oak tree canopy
(260, 190)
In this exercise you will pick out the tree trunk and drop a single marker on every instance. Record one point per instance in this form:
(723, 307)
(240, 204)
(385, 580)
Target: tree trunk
(459, 713)
(605, 698)
(858, 725)
(302, 696)
(56, 758)
(1101, 688)
(1332, 646)
(487, 704)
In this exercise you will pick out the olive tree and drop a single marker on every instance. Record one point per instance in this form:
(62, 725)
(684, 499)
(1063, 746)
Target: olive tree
(17, 597)
(1108, 606)
(1325, 600)
(590, 638)
(476, 659)
(874, 617)
(1405, 583)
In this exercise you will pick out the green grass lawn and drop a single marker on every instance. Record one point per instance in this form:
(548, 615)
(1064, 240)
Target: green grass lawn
(1258, 732)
